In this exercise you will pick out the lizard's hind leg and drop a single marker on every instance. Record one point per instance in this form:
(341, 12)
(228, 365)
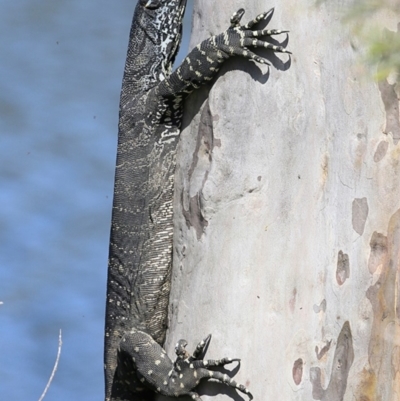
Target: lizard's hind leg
(224, 378)
(214, 362)
(201, 366)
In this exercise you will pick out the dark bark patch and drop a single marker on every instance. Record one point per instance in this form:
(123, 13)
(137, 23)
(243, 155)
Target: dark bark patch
(205, 139)
(342, 361)
(315, 379)
(385, 302)
(391, 102)
(381, 151)
(323, 351)
(359, 214)
(321, 307)
(297, 371)
(199, 170)
(292, 301)
(343, 268)
(378, 252)
(194, 216)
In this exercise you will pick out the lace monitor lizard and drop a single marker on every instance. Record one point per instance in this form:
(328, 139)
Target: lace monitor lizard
(140, 253)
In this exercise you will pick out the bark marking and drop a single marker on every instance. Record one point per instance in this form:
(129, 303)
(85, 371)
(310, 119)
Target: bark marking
(200, 166)
(359, 214)
(321, 307)
(382, 382)
(379, 249)
(391, 102)
(343, 268)
(324, 350)
(342, 361)
(381, 151)
(297, 371)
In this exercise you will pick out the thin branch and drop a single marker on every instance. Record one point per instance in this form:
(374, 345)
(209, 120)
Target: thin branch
(54, 368)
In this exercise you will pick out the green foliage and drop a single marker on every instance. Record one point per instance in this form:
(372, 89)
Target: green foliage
(367, 20)
(384, 52)
(383, 45)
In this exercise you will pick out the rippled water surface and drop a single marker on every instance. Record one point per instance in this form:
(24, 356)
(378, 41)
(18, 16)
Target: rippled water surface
(60, 76)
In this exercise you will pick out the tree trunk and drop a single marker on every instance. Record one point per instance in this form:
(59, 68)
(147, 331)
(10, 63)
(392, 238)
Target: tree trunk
(287, 235)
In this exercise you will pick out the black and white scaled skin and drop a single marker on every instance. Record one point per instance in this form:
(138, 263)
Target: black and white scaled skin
(155, 370)
(140, 254)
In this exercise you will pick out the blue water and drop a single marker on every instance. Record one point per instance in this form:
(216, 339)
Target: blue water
(61, 66)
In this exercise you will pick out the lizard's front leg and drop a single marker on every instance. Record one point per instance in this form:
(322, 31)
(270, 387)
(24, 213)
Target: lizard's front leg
(204, 61)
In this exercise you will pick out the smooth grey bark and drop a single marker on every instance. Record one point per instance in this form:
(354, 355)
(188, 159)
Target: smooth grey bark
(287, 215)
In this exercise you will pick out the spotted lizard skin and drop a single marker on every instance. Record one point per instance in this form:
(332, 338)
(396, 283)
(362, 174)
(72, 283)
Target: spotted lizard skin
(140, 254)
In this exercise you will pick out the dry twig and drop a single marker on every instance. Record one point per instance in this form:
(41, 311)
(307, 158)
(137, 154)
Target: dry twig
(54, 368)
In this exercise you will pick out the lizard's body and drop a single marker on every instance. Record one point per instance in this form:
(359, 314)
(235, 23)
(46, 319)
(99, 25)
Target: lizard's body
(141, 232)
